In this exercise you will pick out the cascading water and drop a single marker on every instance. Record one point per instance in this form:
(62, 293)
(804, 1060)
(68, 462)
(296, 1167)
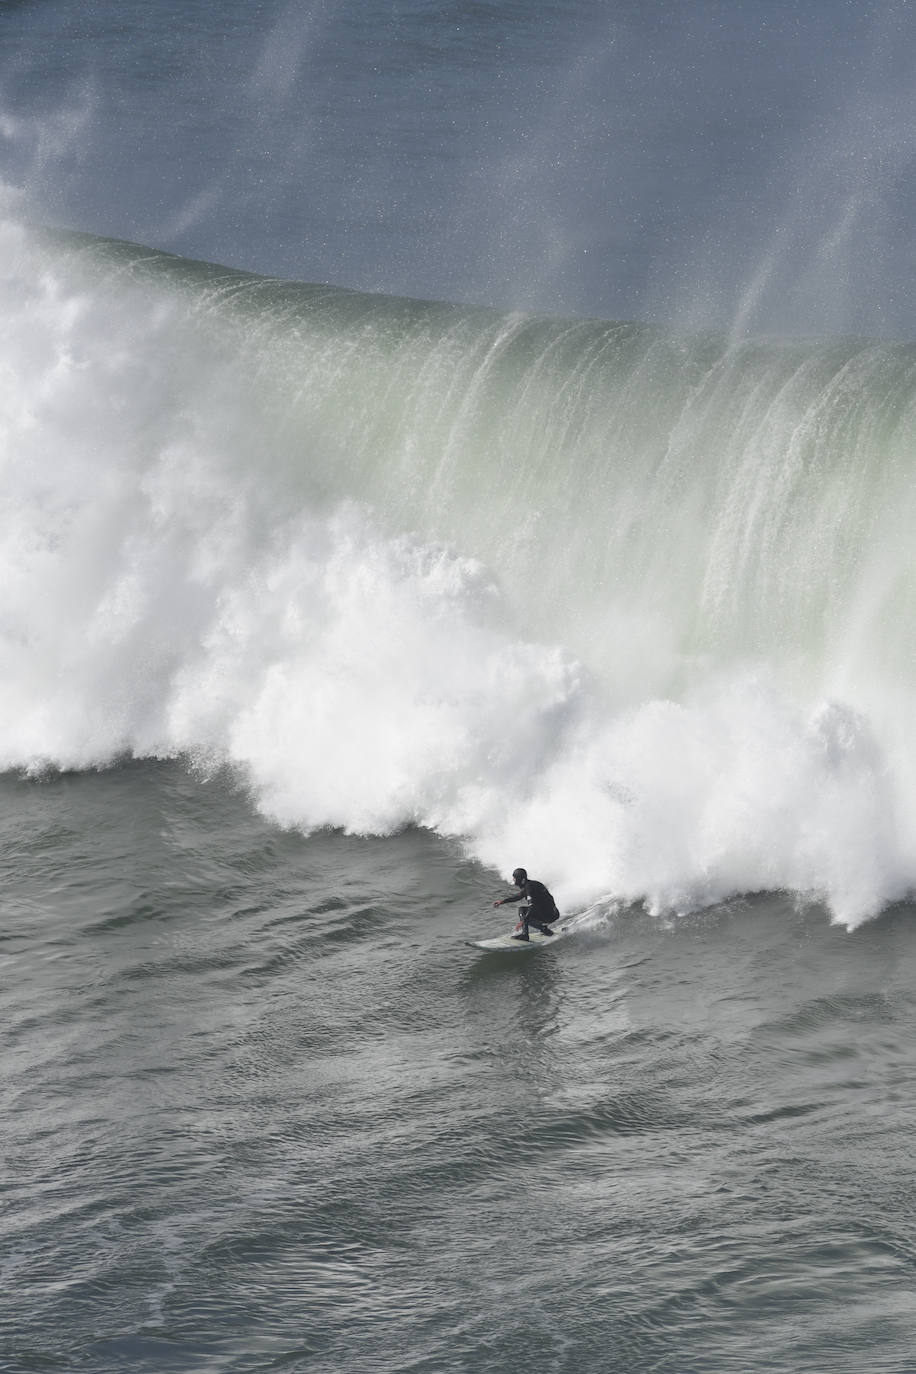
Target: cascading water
(634, 601)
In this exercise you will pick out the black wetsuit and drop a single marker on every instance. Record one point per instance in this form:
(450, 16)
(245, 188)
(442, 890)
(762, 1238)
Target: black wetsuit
(541, 909)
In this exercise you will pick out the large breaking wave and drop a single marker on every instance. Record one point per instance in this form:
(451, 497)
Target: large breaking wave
(631, 608)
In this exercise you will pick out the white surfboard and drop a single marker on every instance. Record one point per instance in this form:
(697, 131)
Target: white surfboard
(507, 945)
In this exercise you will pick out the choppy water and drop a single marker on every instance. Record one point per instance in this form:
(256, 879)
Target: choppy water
(263, 1108)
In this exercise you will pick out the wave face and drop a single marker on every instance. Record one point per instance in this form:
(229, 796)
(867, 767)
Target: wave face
(633, 609)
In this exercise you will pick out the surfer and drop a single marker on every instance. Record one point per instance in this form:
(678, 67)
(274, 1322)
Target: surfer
(541, 909)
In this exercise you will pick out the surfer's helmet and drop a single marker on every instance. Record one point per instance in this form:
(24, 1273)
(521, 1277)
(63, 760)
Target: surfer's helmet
(519, 877)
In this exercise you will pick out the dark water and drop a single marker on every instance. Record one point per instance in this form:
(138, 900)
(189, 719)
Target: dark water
(264, 1109)
(710, 163)
(320, 612)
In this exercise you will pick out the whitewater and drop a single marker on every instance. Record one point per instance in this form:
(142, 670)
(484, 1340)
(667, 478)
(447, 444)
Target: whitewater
(632, 601)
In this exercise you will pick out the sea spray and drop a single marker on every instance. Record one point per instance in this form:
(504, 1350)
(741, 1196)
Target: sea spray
(630, 608)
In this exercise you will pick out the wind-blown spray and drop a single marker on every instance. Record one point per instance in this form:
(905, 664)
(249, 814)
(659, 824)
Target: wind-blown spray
(636, 604)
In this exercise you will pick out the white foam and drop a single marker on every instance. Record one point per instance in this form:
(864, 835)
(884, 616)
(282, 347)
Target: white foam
(170, 586)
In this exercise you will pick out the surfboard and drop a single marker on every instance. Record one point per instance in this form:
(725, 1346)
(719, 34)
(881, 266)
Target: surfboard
(505, 944)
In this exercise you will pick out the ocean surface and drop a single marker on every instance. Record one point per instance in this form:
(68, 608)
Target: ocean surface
(437, 438)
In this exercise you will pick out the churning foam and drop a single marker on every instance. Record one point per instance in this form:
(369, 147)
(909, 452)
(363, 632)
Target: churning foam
(538, 586)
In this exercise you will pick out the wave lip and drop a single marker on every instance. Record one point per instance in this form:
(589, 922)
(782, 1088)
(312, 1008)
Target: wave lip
(627, 607)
